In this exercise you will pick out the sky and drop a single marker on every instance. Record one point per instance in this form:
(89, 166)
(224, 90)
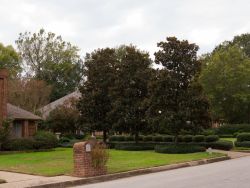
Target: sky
(92, 24)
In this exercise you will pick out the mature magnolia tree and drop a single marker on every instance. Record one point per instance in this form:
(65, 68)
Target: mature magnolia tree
(52, 60)
(130, 90)
(10, 60)
(226, 80)
(29, 94)
(175, 95)
(95, 103)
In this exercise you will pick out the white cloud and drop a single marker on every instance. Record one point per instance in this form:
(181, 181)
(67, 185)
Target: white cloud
(91, 24)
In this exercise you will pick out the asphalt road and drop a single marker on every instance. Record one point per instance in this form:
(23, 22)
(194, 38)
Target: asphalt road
(233, 173)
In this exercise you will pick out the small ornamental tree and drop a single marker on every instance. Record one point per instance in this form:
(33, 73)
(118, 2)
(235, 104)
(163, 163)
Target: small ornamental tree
(5, 130)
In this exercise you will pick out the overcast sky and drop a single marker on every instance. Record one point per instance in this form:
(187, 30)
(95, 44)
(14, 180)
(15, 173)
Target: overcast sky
(92, 24)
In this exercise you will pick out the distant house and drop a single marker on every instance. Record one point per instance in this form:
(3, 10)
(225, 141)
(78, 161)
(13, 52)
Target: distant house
(24, 123)
(45, 111)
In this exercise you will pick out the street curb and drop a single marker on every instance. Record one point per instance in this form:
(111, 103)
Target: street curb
(115, 176)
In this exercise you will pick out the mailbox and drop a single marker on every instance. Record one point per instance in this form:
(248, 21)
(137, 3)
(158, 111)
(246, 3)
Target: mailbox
(88, 148)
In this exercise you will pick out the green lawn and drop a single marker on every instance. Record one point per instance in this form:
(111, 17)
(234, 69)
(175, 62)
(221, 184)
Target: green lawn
(229, 139)
(60, 161)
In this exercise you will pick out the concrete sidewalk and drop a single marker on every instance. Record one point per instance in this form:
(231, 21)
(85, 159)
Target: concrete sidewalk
(232, 154)
(17, 180)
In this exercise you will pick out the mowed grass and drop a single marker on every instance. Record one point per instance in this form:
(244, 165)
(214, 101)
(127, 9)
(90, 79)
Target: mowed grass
(229, 139)
(60, 161)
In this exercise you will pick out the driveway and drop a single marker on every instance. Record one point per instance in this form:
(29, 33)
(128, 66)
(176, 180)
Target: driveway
(227, 174)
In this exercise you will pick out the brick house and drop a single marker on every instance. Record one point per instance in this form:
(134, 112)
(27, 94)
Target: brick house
(24, 123)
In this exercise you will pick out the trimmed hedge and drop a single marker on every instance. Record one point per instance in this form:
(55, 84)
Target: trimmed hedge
(148, 138)
(45, 140)
(134, 147)
(245, 144)
(19, 144)
(157, 138)
(212, 138)
(181, 149)
(168, 138)
(223, 145)
(188, 138)
(129, 138)
(226, 136)
(243, 137)
(198, 138)
(230, 129)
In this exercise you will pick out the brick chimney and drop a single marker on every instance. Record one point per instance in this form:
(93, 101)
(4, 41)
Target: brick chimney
(3, 94)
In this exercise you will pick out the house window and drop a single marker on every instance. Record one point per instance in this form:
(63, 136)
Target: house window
(17, 129)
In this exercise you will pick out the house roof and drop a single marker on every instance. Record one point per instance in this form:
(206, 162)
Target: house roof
(51, 106)
(14, 112)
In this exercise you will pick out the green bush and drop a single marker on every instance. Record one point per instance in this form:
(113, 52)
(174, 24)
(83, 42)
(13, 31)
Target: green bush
(168, 138)
(134, 147)
(230, 129)
(158, 138)
(147, 138)
(223, 145)
(241, 137)
(188, 138)
(245, 144)
(180, 138)
(212, 138)
(208, 132)
(129, 138)
(198, 138)
(179, 148)
(45, 140)
(120, 138)
(226, 136)
(19, 144)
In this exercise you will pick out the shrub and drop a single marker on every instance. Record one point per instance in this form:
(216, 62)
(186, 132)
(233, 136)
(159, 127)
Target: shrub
(223, 145)
(99, 155)
(120, 138)
(230, 129)
(64, 140)
(179, 138)
(211, 138)
(134, 147)
(198, 138)
(187, 138)
(179, 148)
(243, 137)
(45, 140)
(158, 138)
(112, 138)
(168, 138)
(147, 138)
(19, 144)
(226, 136)
(129, 138)
(208, 132)
(245, 144)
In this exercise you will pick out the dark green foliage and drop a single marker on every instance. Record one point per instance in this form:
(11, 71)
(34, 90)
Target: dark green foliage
(188, 138)
(158, 138)
(198, 138)
(45, 140)
(230, 129)
(147, 138)
(223, 145)
(19, 144)
(172, 149)
(245, 144)
(168, 138)
(134, 146)
(129, 138)
(180, 138)
(241, 137)
(226, 136)
(212, 138)
(176, 97)
(208, 132)
(5, 130)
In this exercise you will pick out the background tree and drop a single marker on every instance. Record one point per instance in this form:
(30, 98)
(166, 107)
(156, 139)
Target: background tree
(95, 103)
(10, 60)
(52, 60)
(28, 94)
(226, 80)
(174, 86)
(65, 118)
(130, 90)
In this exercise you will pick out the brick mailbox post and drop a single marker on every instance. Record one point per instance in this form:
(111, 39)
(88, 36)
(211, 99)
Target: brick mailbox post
(83, 162)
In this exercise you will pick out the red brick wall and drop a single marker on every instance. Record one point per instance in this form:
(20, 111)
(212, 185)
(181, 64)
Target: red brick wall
(3, 94)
